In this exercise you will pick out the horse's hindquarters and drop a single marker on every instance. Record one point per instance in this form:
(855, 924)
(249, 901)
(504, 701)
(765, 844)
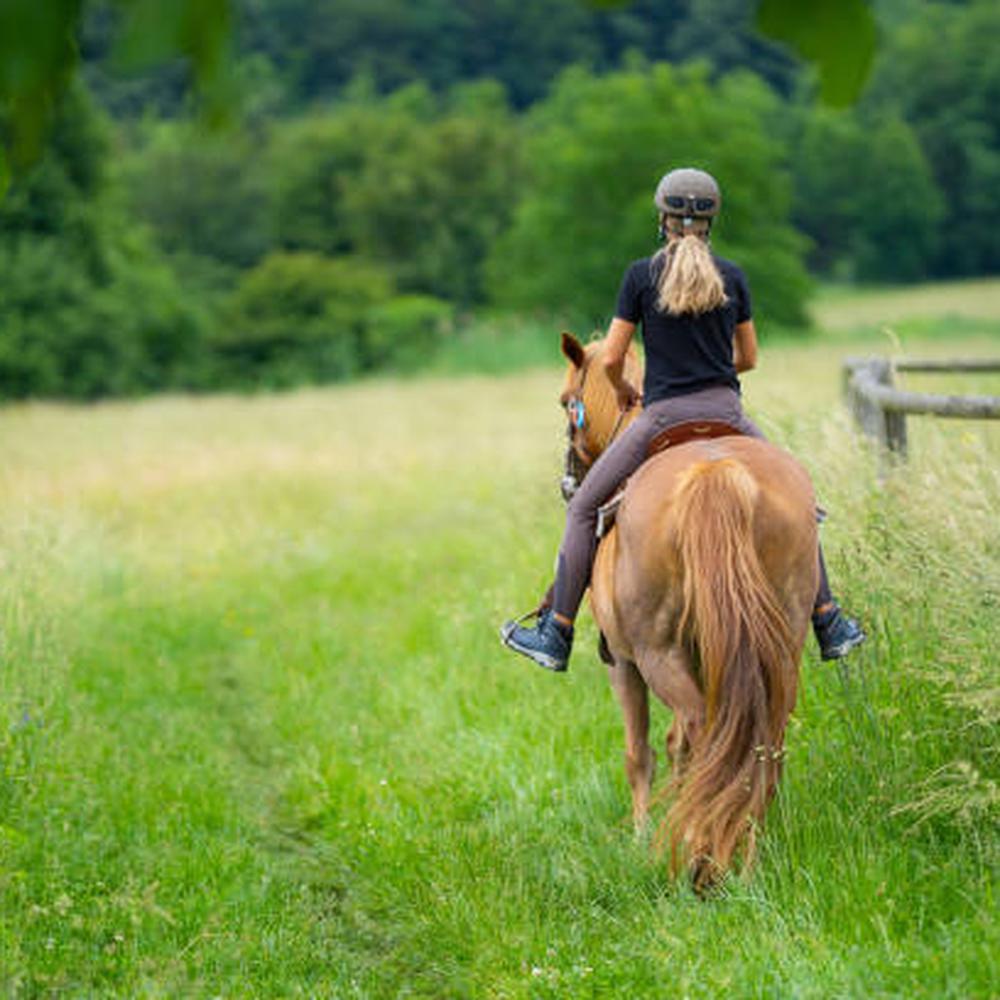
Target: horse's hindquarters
(707, 584)
(648, 578)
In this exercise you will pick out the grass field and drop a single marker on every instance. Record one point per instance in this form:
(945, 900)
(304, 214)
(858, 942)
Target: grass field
(943, 304)
(258, 737)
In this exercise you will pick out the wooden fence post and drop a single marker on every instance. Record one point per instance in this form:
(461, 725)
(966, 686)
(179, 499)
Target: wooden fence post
(880, 408)
(887, 427)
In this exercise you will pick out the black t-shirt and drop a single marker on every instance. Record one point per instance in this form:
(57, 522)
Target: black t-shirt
(688, 352)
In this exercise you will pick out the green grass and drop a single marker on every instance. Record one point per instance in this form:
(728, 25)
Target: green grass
(258, 738)
(942, 316)
(941, 308)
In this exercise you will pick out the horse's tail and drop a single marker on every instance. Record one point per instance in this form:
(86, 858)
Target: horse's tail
(741, 644)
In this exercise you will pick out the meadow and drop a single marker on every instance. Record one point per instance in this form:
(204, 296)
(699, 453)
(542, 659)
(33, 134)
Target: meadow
(258, 736)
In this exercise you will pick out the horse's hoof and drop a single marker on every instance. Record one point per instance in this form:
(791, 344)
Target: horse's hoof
(706, 876)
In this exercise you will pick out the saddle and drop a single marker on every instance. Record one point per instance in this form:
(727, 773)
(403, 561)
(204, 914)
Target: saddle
(690, 430)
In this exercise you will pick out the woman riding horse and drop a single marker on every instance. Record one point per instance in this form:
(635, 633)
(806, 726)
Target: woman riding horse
(698, 335)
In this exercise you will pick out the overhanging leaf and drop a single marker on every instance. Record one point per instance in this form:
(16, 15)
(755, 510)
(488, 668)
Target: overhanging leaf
(198, 30)
(838, 36)
(38, 55)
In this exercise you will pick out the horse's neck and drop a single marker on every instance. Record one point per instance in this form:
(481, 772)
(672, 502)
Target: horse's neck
(611, 421)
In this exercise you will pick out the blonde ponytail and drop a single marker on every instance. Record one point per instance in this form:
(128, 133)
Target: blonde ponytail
(689, 281)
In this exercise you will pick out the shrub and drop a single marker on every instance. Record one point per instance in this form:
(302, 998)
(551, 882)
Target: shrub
(63, 334)
(87, 308)
(406, 330)
(298, 317)
(421, 188)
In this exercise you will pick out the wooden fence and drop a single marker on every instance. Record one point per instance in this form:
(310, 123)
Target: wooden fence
(881, 409)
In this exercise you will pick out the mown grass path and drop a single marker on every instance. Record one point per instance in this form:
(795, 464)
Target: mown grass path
(259, 739)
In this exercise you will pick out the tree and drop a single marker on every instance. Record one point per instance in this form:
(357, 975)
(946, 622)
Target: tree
(86, 307)
(722, 32)
(941, 74)
(203, 193)
(420, 189)
(597, 148)
(865, 196)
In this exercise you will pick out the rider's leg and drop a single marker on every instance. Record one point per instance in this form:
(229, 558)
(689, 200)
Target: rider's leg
(579, 541)
(836, 632)
(824, 596)
(576, 554)
(550, 641)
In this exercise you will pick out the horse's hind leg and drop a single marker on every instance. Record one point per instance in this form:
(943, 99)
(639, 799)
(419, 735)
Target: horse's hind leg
(678, 744)
(668, 673)
(640, 761)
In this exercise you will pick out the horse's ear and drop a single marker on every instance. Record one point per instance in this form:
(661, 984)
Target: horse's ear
(573, 349)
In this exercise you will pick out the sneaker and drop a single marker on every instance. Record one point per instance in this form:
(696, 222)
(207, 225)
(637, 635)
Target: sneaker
(836, 633)
(548, 643)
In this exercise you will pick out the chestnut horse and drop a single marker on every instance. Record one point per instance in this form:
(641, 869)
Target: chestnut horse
(703, 592)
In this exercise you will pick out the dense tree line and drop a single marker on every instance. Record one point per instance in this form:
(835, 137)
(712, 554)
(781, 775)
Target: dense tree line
(309, 50)
(396, 166)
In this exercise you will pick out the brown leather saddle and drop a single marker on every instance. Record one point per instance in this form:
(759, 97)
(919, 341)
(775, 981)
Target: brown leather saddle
(690, 430)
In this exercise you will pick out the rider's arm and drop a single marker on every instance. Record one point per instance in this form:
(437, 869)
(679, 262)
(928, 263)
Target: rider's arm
(745, 346)
(615, 347)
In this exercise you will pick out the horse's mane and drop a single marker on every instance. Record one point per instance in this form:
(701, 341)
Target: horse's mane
(601, 401)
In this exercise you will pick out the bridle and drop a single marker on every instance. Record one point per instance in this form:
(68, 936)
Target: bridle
(578, 456)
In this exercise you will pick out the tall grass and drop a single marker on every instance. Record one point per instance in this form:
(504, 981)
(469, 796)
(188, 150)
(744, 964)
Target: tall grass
(258, 737)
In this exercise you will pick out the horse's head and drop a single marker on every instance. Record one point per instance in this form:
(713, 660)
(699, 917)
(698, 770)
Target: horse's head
(593, 415)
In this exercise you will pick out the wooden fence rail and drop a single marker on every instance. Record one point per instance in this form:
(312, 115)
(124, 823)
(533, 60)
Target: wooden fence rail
(881, 409)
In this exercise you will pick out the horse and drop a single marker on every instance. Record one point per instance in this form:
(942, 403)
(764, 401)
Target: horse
(703, 590)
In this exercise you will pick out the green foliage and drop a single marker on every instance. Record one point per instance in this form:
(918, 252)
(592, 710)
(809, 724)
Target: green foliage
(724, 34)
(86, 309)
(318, 48)
(941, 72)
(313, 160)
(299, 317)
(415, 173)
(322, 46)
(259, 738)
(39, 52)
(61, 195)
(204, 194)
(596, 149)
(420, 190)
(837, 35)
(63, 335)
(37, 60)
(866, 196)
(406, 332)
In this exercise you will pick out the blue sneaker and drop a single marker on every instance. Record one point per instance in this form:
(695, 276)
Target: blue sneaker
(836, 633)
(549, 643)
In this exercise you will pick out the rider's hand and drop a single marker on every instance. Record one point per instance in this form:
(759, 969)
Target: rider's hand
(628, 396)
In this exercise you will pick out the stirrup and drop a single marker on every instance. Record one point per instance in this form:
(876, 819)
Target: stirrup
(508, 627)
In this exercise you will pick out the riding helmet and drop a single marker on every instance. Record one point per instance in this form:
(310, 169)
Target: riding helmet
(688, 192)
